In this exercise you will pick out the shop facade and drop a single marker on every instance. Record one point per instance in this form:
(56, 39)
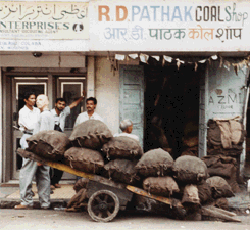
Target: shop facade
(169, 67)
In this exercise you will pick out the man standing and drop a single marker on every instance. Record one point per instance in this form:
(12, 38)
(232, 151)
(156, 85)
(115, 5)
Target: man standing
(91, 103)
(60, 112)
(28, 117)
(30, 168)
(90, 114)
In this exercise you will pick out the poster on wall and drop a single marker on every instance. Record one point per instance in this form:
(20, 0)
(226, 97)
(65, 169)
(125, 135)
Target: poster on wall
(43, 20)
(170, 25)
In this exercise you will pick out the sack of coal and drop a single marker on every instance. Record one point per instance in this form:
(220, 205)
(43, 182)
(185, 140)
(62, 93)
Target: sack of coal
(122, 147)
(190, 195)
(81, 183)
(77, 199)
(161, 186)
(49, 144)
(122, 170)
(83, 159)
(219, 165)
(220, 187)
(204, 191)
(90, 134)
(155, 162)
(190, 169)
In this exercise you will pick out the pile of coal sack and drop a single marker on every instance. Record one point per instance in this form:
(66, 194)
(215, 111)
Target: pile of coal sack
(91, 148)
(225, 139)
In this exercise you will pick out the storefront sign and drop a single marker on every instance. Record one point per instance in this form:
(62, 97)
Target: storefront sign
(171, 25)
(43, 20)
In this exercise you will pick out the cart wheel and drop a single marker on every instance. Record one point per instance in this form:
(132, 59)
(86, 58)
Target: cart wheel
(103, 206)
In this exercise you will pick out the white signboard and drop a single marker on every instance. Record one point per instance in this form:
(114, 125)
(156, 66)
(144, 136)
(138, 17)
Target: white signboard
(170, 25)
(43, 20)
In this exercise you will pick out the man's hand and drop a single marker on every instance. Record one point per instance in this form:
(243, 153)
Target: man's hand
(39, 164)
(84, 93)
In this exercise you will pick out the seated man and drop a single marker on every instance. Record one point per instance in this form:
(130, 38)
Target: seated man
(126, 126)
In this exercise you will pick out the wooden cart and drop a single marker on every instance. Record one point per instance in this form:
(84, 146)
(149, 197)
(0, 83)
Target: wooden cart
(107, 197)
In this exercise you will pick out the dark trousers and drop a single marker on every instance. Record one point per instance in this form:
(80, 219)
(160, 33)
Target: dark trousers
(55, 176)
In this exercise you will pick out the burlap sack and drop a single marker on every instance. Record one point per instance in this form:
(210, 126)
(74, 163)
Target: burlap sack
(191, 141)
(190, 194)
(220, 187)
(222, 203)
(213, 133)
(162, 186)
(33, 140)
(205, 192)
(190, 151)
(90, 134)
(78, 198)
(232, 181)
(122, 170)
(225, 167)
(156, 162)
(190, 169)
(83, 159)
(49, 144)
(81, 183)
(122, 147)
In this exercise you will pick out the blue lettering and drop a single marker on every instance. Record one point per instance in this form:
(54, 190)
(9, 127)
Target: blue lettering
(188, 13)
(145, 10)
(154, 7)
(176, 13)
(229, 14)
(135, 11)
(164, 13)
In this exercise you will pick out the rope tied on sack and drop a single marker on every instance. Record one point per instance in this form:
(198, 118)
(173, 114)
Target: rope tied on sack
(70, 159)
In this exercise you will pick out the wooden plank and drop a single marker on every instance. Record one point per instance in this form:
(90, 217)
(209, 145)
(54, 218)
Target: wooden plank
(159, 198)
(68, 169)
(92, 177)
(215, 214)
(27, 154)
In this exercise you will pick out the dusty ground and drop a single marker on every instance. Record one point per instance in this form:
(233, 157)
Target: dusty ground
(40, 220)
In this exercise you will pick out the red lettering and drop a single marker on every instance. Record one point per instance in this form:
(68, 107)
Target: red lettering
(124, 11)
(103, 11)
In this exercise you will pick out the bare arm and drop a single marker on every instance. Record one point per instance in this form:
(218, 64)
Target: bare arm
(76, 103)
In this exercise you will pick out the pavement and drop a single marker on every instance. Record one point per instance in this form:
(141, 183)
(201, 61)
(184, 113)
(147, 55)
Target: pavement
(9, 195)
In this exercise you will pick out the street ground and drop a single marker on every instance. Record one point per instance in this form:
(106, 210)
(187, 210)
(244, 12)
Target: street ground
(11, 219)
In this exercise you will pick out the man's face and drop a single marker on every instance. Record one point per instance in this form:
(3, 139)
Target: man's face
(31, 100)
(60, 105)
(90, 106)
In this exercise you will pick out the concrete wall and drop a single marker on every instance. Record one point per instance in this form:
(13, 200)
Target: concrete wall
(107, 93)
(226, 91)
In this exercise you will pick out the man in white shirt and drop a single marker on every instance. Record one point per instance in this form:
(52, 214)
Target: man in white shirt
(60, 112)
(30, 168)
(126, 126)
(90, 114)
(28, 117)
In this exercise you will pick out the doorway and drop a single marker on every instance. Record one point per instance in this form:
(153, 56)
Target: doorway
(172, 101)
(69, 86)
